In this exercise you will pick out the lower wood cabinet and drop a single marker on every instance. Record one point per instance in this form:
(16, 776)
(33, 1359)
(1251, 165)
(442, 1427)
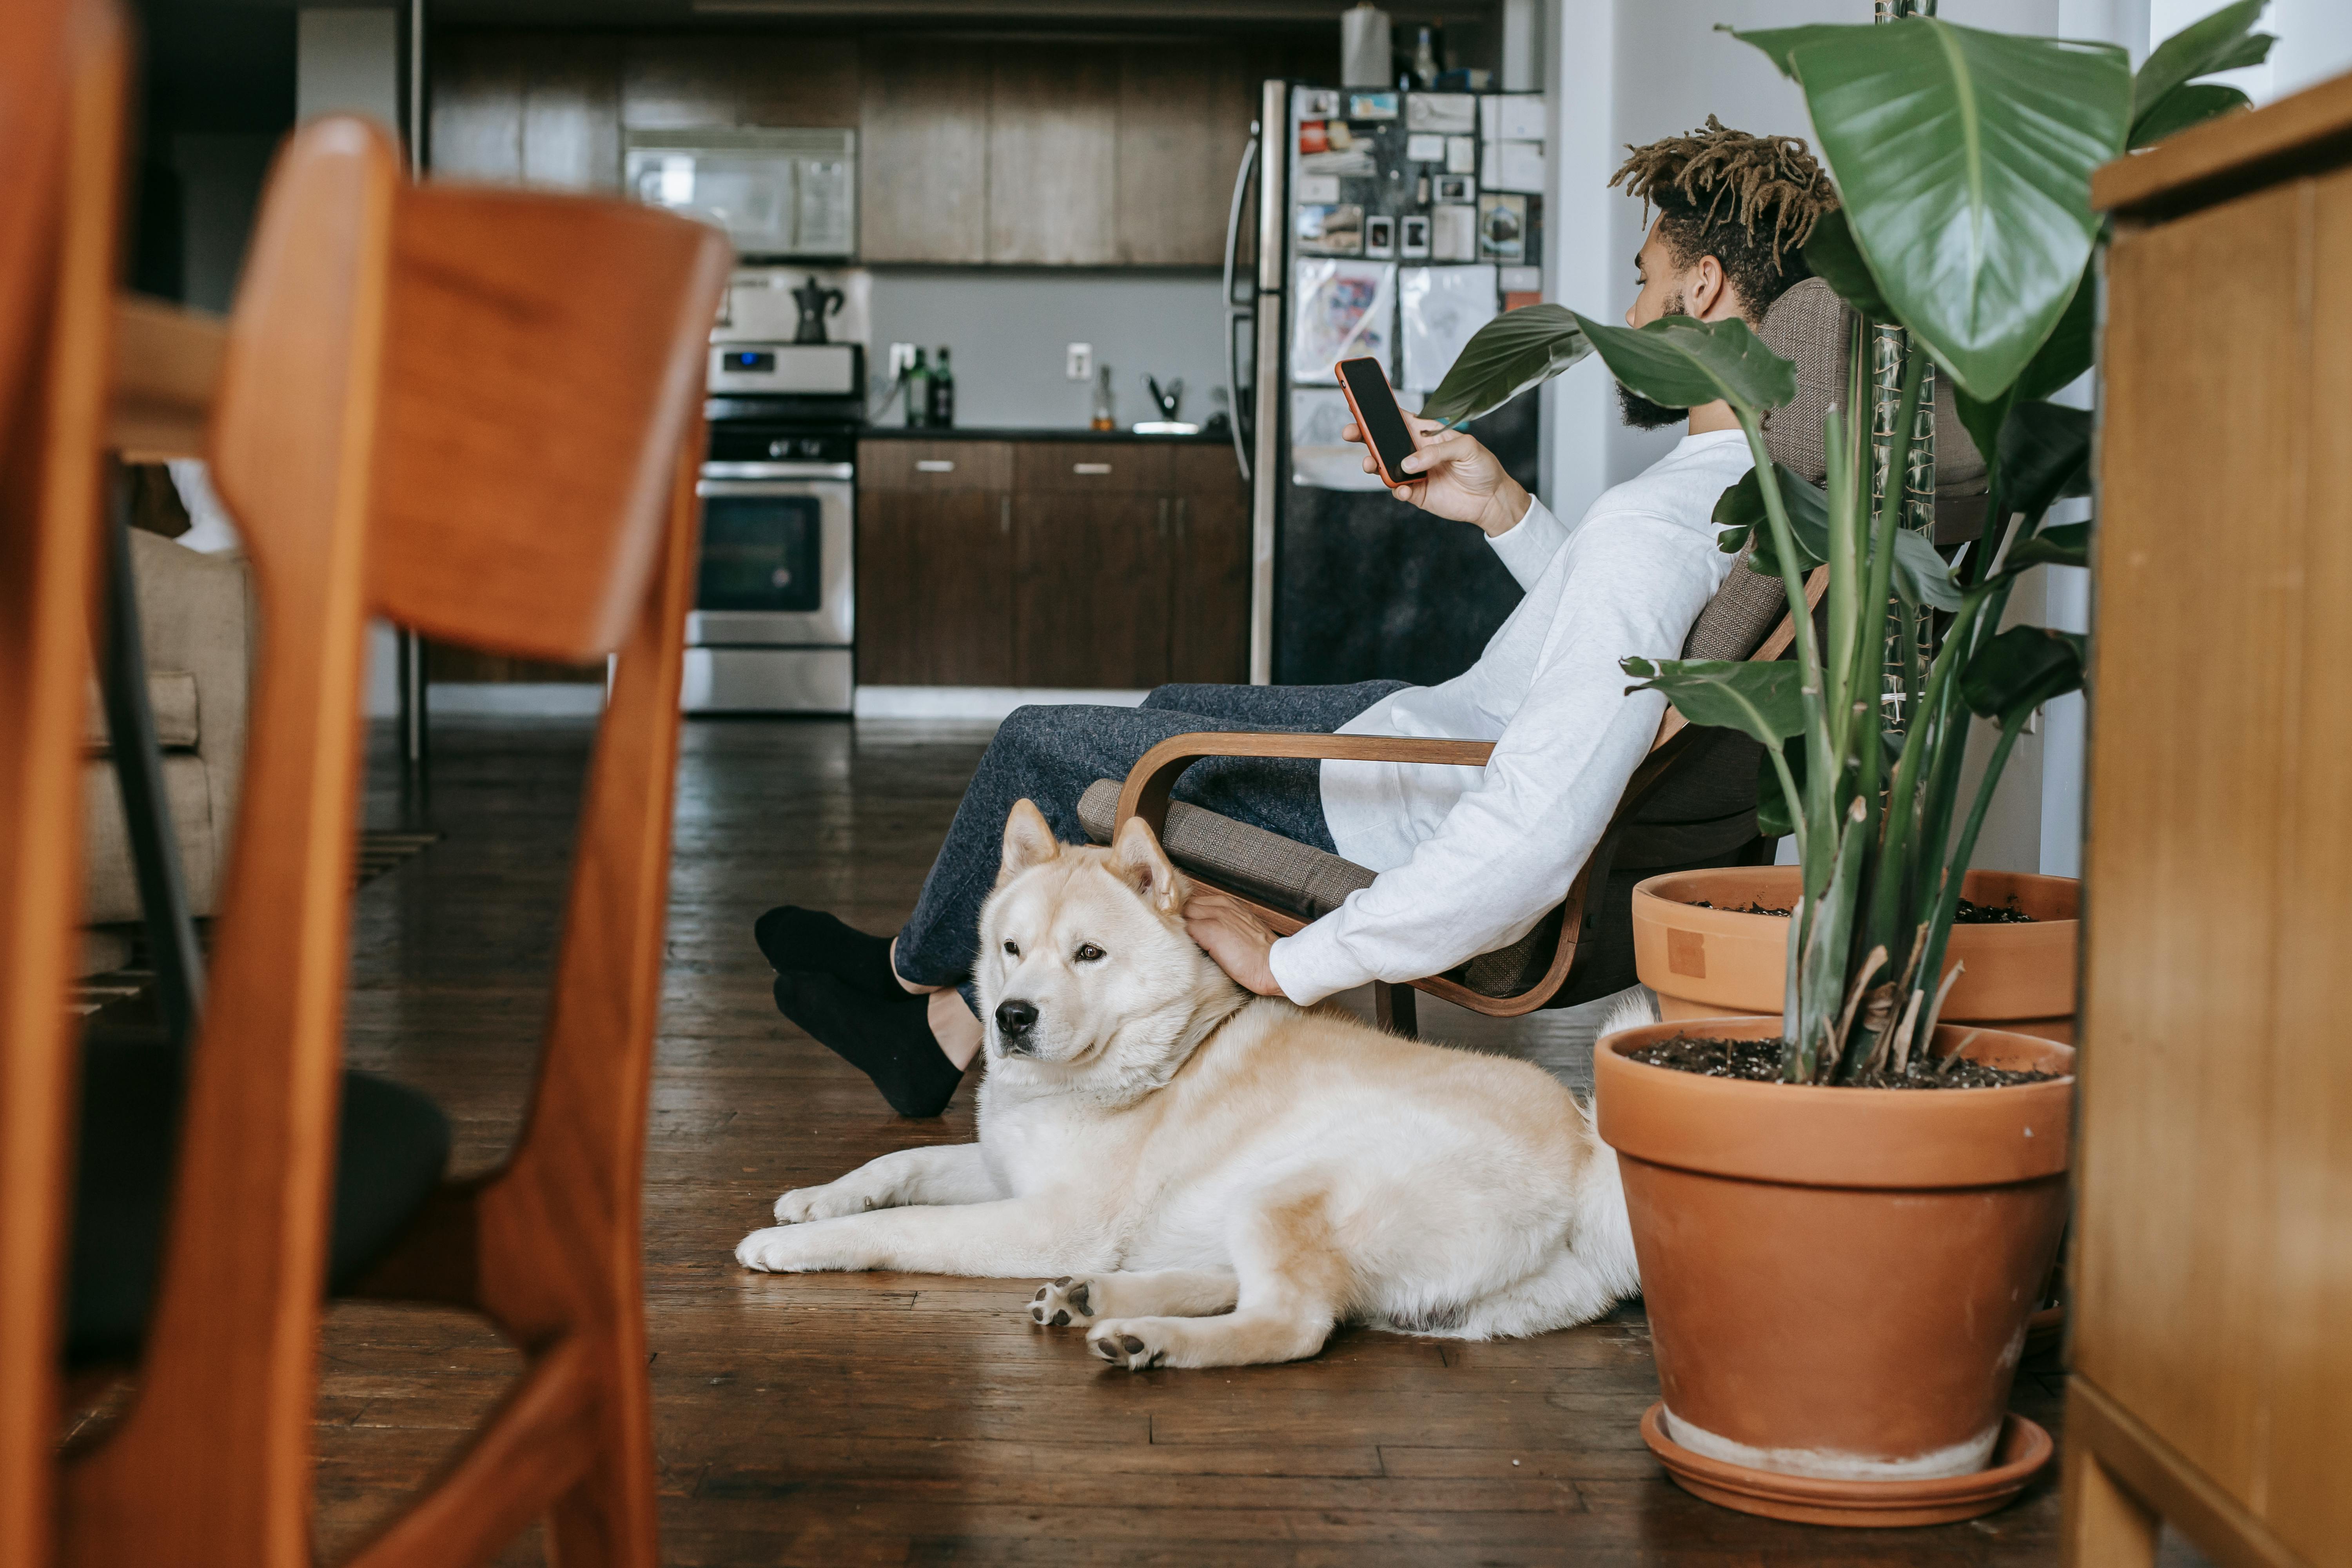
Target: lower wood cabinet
(1099, 565)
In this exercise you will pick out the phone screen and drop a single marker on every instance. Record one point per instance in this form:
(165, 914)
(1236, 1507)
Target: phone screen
(1375, 407)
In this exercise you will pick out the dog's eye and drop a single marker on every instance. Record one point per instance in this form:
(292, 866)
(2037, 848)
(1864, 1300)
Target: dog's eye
(1087, 953)
(1013, 948)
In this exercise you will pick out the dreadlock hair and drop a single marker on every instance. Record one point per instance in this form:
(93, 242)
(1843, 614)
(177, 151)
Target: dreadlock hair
(1714, 190)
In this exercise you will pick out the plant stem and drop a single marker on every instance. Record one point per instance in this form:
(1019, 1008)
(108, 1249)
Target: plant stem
(1948, 900)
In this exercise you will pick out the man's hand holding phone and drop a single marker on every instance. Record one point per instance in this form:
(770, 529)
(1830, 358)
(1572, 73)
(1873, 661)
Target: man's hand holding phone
(1448, 472)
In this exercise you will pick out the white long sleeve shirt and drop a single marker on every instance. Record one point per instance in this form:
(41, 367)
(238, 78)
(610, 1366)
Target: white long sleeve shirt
(1470, 859)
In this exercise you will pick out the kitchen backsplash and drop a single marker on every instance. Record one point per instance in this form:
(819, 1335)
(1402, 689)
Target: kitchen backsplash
(1008, 332)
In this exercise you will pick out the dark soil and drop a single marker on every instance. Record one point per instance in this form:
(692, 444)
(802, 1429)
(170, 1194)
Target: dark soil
(1967, 914)
(1758, 1061)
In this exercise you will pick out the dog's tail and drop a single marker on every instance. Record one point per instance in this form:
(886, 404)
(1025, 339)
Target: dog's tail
(1630, 1011)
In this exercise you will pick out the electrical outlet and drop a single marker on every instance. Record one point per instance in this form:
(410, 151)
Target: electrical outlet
(1080, 364)
(902, 359)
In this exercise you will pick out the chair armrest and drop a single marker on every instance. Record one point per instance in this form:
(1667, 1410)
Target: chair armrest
(1153, 778)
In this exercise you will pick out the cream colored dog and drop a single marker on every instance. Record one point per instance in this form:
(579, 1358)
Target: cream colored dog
(1219, 1178)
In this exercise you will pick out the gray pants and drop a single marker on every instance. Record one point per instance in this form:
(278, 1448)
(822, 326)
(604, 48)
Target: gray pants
(1051, 754)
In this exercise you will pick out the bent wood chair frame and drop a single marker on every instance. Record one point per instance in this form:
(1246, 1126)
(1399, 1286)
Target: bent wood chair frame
(1151, 783)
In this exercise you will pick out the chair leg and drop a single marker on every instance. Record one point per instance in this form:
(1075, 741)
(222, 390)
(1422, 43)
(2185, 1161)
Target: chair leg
(1394, 1007)
(609, 1518)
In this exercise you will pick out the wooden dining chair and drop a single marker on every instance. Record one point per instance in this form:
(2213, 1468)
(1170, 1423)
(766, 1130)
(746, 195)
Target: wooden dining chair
(474, 412)
(61, 86)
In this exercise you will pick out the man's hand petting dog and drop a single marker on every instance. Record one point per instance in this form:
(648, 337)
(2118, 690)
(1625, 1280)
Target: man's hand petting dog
(1229, 932)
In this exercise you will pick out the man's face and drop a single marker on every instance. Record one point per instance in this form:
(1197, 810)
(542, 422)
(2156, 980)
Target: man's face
(1664, 291)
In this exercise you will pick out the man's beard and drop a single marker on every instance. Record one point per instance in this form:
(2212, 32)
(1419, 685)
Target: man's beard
(1637, 410)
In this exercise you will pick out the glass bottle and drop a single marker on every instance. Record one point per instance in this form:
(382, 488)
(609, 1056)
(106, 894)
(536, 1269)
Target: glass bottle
(919, 393)
(939, 408)
(1424, 60)
(1106, 407)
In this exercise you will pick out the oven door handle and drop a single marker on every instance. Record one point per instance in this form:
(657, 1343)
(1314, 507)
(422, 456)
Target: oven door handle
(779, 471)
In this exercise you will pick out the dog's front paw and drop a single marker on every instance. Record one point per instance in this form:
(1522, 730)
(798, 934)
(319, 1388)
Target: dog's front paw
(827, 1202)
(776, 1250)
(1131, 1343)
(1064, 1301)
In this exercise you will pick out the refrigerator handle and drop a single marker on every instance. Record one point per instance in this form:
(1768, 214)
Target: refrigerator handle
(1236, 313)
(1268, 466)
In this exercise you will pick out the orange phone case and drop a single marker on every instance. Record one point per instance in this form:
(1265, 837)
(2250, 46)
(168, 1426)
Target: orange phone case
(1379, 462)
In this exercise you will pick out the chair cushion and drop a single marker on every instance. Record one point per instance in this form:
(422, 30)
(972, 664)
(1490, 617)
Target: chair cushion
(393, 1145)
(171, 695)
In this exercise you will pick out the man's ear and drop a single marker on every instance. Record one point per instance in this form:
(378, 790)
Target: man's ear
(1028, 841)
(1146, 868)
(1710, 294)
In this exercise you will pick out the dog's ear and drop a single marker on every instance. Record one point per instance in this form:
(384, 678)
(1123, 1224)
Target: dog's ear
(1028, 841)
(1146, 868)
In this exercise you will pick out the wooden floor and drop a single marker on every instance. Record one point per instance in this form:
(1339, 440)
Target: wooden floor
(881, 1418)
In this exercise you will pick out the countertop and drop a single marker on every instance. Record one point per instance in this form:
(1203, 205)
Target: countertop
(1024, 433)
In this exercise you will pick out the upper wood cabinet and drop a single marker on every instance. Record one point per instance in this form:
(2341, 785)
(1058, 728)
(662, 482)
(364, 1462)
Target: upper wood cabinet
(1053, 166)
(922, 154)
(1184, 119)
(1016, 153)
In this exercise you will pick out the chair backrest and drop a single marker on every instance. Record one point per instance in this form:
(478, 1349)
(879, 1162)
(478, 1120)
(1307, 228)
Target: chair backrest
(61, 86)
(362, 440)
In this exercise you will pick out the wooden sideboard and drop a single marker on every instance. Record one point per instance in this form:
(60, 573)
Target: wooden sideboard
(1118, 564)
(2213, 1263)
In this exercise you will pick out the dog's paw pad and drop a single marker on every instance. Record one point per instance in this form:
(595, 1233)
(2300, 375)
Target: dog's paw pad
(1064, 1301)
(1128, 1350)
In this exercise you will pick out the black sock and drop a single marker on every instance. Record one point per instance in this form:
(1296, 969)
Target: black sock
(811, 942)
(888, 1040)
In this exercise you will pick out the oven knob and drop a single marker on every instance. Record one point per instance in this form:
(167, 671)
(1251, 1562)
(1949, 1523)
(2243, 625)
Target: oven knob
(811, 447)
(780, 448)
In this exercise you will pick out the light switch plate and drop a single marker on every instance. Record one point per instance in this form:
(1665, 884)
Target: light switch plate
(1080, 364)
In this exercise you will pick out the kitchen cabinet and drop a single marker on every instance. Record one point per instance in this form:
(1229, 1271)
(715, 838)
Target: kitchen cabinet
(1051, 563)
(935, 564)
(1053, 164)
(922, 181)
(676, 83)
(1183, 119)
(1208, 617)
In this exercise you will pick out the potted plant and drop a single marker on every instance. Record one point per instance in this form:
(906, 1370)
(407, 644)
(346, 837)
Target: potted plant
(1839, 1268)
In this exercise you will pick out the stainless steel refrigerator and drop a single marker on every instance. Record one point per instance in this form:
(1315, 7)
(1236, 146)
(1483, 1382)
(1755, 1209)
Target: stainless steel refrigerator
(1390, 224)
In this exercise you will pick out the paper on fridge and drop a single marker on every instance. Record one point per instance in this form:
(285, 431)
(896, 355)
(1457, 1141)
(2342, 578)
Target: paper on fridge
(1320, 458)
(1339, 309)
(1438, 309)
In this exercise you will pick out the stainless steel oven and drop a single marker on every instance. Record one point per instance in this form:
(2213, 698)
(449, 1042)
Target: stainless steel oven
(773, 621)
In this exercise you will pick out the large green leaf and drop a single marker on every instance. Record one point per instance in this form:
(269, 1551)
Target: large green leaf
(1516, 351)
(1741, 509)
(2223, 41)
(1831, 252)
(1773, 818)
(2192, 103)
(1681, 362)
(1758, 698)
(2059, 544)
(2046, 455)
(1920, 576)
(1963, 159)
(2067, 351)
(2019, 671)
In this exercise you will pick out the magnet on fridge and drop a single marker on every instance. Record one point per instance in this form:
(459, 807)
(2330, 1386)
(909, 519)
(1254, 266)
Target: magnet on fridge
(1312, 137)
(1414, 243)
(1461, 154)
(1372, 106)
(1319, 187)
(1379, 237)
(1455, 188)
(1454, 234)
(1319, 104)
(1425, 147)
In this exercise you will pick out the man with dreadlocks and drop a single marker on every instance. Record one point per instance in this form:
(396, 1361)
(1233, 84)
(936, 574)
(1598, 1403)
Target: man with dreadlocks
(1467, 859)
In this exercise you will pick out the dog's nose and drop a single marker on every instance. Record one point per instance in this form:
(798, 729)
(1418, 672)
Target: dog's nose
(1015, 1019)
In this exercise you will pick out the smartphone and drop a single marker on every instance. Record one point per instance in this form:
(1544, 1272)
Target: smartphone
(1378, 418)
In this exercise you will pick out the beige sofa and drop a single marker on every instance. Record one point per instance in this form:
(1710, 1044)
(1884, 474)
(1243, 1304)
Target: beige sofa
(198, 622)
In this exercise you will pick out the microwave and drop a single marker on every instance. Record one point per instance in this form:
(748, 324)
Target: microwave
(775, 193)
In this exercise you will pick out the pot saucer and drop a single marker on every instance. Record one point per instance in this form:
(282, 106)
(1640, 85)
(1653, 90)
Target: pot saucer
(2023, 1448)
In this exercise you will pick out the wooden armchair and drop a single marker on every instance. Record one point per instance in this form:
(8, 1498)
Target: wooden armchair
(1690, 804)
(473, 412)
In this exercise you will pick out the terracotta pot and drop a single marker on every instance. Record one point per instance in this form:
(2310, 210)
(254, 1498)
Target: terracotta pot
(1839, 1280)
(1712, 963)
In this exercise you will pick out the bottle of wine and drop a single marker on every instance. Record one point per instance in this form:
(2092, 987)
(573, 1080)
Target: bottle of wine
(941, 407)
(919, 393)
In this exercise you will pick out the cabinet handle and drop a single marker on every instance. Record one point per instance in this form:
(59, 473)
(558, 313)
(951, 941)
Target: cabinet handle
(934, 466)
(1004, 515)
(1090, 468)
